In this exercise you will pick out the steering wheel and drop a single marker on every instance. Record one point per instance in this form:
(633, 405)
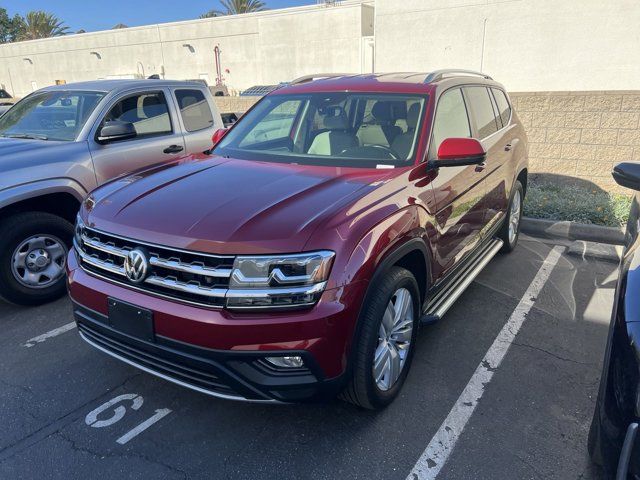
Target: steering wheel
(389, 150)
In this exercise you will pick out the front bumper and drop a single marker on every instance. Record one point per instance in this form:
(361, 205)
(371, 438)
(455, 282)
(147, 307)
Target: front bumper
(221, 353)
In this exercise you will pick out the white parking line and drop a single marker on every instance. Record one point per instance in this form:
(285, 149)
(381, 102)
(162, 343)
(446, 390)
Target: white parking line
(443, 442)
(160, 413)
(53, 333)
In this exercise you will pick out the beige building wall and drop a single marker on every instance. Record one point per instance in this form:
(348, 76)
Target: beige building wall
(260, 48)
(580, 134)
(529, 45)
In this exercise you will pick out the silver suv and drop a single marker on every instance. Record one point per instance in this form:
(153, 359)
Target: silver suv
(59, 143)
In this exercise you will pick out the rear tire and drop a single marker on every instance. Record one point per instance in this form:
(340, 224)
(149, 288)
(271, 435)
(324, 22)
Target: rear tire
(510, 230)
(366, 389)
(49, 237)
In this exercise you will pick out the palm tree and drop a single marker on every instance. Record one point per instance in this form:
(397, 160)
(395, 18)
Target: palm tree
(40, 24)
(233, 7)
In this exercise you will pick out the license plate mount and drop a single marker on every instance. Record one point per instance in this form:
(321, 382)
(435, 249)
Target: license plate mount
(131, 319)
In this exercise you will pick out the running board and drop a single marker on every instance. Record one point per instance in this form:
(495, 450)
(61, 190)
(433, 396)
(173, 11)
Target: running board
(445, 298)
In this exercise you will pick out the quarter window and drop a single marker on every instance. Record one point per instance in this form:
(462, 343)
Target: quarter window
(482, 110)
(195, 110)
(504, 109)
(451, 118)
(148, 112)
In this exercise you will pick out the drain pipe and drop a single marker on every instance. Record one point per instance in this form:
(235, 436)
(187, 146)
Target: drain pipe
(216, 54)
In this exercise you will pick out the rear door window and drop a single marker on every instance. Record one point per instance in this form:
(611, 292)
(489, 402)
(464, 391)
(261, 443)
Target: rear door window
(482, 110)
(195, 110)
(504, 109)
(451, 118)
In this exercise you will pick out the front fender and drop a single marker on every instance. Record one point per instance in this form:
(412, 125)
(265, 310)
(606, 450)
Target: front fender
(27, 190)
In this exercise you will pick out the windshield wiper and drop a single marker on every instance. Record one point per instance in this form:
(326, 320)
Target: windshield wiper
(26, 135)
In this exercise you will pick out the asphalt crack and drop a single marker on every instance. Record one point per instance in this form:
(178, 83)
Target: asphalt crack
(102, 455)
(55, 426)
(554, 355)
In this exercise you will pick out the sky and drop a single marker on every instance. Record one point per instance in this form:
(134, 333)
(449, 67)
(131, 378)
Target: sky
(92, 15)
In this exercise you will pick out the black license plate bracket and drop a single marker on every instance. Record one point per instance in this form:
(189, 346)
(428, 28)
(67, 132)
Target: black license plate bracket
(131, 319)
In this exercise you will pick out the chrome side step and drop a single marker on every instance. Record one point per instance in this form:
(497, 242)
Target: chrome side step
(445, 298)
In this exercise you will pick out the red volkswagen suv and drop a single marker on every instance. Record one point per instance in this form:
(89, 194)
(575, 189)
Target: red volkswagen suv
(299, 259)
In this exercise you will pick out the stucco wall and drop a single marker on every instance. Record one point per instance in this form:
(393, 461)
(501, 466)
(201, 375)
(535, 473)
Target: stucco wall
(580, 134)
(529, 45)
(261, 48)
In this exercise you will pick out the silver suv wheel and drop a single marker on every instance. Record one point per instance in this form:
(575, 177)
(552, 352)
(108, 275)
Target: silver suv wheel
(394, 339)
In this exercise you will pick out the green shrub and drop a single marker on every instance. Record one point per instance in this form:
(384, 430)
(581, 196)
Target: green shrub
(576, 204)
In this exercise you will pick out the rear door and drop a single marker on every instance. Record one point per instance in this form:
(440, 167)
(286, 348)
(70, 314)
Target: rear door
(459, 191)
(488, 128)
(158, 139)
(199, 118)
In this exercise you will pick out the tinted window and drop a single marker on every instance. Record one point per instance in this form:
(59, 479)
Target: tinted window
(504, 109)
(4, 94)
(194, 109)
(482, 110)
(451, 118)
(147, 111)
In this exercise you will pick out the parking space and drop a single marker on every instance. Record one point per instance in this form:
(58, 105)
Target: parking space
(68, 409)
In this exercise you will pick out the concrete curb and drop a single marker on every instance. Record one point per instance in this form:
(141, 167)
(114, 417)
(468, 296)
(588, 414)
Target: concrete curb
(572, 231)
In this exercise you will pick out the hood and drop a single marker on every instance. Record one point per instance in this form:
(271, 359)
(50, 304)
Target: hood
(26, 161)
(229, 206)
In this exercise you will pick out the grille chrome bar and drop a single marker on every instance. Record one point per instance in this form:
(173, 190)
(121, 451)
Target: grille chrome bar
(104, 247)
(186, 287)
(194, 269)
(102, 264)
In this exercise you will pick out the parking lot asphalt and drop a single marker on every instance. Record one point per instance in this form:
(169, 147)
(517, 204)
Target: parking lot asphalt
(531, 421)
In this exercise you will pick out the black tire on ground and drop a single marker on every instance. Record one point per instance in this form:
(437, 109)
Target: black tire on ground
(503, 233)
(362, 389)
(17, 228)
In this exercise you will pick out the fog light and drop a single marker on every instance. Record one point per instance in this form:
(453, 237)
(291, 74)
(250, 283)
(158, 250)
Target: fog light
(286, 362)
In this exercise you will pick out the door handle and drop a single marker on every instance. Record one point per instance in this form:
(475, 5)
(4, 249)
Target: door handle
(507, 147)
(173, 149)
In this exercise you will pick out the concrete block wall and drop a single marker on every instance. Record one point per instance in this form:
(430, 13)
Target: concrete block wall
(580, 134)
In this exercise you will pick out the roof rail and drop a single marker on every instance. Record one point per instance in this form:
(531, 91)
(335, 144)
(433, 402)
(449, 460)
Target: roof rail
(317, 76)
(451, 72)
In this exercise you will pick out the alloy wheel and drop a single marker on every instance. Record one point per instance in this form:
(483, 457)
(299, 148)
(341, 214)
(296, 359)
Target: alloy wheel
(514, 216)
(394, 340)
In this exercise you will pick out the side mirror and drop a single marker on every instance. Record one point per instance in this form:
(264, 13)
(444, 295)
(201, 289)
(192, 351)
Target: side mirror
(627, 174)
(455, 152)
(218, 135)
(115, 131)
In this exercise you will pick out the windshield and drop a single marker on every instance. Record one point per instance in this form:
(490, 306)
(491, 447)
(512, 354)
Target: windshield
(369, 130)
(56, 115)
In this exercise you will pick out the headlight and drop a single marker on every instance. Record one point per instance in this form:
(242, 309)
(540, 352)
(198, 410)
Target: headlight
(278, 281)
(78, 230)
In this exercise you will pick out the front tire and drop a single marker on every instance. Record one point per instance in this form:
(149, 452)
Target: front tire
(33, 254)
(386, 341)
(510, 230)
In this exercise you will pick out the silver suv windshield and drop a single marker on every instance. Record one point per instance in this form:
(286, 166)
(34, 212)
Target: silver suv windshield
(340, 128)
(54, 115)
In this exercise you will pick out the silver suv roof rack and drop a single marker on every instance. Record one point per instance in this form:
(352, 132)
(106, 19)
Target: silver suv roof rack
(317, 76)
(452, 72)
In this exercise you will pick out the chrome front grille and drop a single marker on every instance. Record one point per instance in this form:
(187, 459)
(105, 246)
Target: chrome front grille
(193, 277)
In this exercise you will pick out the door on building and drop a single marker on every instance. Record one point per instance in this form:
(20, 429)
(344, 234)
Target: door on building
(368, 52)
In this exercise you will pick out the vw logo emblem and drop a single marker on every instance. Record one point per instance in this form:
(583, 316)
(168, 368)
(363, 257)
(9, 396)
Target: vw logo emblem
(136, 265)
